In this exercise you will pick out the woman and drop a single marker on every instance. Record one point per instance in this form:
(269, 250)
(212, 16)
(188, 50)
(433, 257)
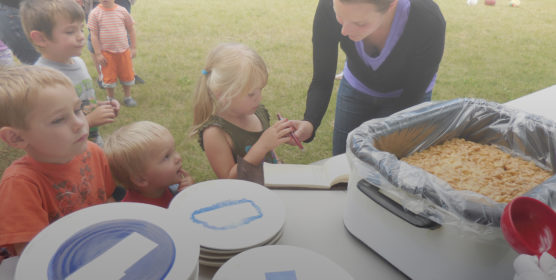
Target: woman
(393, 49)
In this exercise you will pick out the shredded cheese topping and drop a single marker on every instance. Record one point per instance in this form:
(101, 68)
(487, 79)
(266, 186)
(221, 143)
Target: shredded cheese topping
(480, 168)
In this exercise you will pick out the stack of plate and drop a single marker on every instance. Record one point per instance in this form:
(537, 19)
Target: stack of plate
(231, 216)
(112, 241)
(280, 262)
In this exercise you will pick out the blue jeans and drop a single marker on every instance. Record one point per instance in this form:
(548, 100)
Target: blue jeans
(354, 108)
(11, 33)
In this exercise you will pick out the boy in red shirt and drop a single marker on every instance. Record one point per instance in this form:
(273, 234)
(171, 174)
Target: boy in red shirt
(62, 171)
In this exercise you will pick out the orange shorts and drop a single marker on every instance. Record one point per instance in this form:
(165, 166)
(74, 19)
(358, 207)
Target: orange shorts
(118, 66)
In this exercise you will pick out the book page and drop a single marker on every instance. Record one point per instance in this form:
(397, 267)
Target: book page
(337, 169)
(322, 174)
(295, 175)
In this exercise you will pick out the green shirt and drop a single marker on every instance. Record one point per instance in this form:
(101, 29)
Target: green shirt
(242, 139)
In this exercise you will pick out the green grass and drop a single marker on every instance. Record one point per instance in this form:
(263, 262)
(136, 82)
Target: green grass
(497, 53)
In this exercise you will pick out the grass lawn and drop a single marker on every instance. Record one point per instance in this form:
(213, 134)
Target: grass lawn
(496, 52)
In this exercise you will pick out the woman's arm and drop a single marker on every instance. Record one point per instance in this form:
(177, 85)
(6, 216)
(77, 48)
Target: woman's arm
(326, 36)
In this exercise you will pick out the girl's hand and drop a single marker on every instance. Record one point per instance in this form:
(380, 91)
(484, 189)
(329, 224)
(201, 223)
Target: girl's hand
(303, 129)
(275, 135)
(102, 114)
(186, 180)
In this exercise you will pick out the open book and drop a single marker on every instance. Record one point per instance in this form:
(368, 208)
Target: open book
(319, 175)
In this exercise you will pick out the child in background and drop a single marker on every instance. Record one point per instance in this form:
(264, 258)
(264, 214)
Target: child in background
(144, 160)
(229, 118)
(61, 172)
(55, 27)
(110, 25)
(88, 6)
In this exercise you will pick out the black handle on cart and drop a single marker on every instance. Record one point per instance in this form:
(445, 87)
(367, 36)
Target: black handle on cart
(395, 208)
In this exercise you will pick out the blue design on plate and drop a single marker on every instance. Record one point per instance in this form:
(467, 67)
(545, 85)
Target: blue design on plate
(89, 243)
(240, 221)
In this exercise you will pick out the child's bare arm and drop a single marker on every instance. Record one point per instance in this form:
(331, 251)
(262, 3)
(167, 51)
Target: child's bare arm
(112, 102)
(132, 38)
(218, 150)
(96, 47)
(101, 115)
(270, 139)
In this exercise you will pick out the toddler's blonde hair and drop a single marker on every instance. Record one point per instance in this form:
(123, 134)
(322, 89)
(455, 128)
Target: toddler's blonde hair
(19, 87)
(128, 149)
(231, 69)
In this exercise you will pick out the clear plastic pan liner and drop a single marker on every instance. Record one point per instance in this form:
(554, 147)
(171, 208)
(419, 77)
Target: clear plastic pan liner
(375, 147)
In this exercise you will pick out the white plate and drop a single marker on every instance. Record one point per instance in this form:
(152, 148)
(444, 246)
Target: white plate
(280, 262)
(273, 239)
(224, 255)
(230, 214)
(212, 263)
(110, 241)
(217, 262)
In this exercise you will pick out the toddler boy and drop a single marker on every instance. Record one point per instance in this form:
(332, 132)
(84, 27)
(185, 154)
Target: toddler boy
(88, 6)
(61, 171)
(143, 158)
(55, 27)
(110, 25)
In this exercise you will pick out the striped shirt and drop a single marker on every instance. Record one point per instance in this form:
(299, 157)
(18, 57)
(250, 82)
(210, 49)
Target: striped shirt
(110, 27)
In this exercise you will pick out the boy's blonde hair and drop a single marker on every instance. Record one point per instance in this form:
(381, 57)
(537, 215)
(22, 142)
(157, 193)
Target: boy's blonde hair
(42, 15)
(128, 149)
(20, 86)
(231, 70)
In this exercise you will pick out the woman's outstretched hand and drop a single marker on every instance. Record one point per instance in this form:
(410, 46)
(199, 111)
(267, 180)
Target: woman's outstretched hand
(303, 130)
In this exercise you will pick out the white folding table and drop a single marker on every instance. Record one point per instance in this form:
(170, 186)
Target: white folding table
(314, 218)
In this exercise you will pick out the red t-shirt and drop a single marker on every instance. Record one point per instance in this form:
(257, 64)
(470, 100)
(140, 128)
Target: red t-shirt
(35, 194)
(163, 201)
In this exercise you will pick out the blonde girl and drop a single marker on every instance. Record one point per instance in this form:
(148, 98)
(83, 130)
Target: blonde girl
(229, 118)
